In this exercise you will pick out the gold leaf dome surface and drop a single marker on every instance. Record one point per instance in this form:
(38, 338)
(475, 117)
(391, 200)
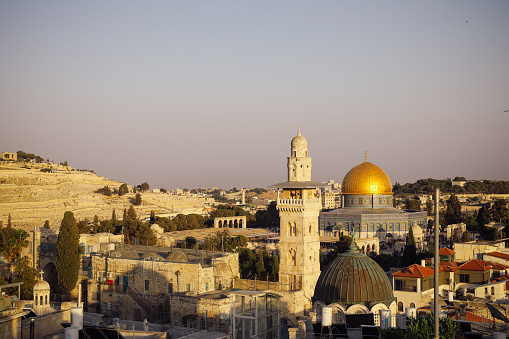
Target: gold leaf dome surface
(366, 178)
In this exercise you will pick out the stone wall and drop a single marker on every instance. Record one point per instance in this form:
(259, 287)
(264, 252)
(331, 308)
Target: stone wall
(45, 324)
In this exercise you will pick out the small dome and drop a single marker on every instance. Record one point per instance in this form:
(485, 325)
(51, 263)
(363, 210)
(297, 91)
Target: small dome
(299, 141)
(416, 229)
(353, 278)
(177, 256)
(366, 179)
(41, 285)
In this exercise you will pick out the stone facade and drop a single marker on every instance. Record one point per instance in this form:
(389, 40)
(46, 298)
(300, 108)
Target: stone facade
(230, 222)
(9, 156)
(134, 283)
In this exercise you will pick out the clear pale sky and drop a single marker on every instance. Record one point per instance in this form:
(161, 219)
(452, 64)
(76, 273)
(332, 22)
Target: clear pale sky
(167, 91)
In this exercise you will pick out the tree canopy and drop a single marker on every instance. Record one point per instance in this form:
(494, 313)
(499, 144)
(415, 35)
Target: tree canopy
(68, 252)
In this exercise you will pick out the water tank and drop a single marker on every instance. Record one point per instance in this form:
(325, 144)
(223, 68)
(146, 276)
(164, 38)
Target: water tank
(410, 312)
(385, 318)
(327, 316)
(77, 317)
(72, 333)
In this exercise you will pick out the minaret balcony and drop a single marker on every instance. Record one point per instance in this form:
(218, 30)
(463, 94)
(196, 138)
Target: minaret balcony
(286, 204)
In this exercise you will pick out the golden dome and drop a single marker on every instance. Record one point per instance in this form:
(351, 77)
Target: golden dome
(366, 178)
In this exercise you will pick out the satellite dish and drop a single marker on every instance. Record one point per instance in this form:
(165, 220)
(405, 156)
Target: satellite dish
(496, 313)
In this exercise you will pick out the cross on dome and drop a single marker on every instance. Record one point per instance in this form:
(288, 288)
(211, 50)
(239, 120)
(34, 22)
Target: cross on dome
(41, 273)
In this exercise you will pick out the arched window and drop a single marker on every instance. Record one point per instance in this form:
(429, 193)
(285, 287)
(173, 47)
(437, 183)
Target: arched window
(41, 301)
(290, 228)
(412, 305)
(400, 306)
(46, 301)
(294, 228)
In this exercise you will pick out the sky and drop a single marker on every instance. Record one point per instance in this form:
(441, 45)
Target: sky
(168, 92)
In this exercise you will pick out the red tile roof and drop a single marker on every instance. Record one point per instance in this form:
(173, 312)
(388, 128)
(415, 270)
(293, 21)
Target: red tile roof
(416, 271)
(499, 255)
(470, 317)
(449, 266)
(446, 251)
(475, 265)
(497, 266)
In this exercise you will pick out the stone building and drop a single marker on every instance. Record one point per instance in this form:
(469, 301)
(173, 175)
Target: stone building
(160, 284)
(366, 196)
(9, 156)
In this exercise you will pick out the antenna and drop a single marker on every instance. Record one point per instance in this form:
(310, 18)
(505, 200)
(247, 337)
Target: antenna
(197, 183)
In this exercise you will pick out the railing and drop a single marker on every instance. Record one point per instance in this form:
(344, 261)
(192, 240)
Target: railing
(298, 202)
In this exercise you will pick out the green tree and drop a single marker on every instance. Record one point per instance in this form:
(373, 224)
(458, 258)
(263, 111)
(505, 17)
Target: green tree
(68, 252)
(412, 204)
(113, 216)
(483, 216)
(163, 190)
(499, 210)
(144, 187)
(410, 252)
(424, 328)
(83, 227)
(46, 224)
(260, 265)
(26, 274)
(452, 213)
(9, 221)
(152, 217)
(190, 242)
(429, 207)
(137, 199)
(275, 268)
(123, 189)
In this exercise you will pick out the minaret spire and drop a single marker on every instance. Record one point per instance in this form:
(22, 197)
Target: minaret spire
(298, 126)
(366, 156)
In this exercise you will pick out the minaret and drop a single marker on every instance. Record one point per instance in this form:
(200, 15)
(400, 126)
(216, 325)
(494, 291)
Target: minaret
(299, 207)
(299, 164)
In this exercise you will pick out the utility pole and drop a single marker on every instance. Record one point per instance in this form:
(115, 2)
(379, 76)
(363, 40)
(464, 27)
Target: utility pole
(437, 261)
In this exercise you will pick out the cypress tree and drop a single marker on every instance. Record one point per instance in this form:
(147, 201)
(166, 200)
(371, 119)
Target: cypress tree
(68, 252)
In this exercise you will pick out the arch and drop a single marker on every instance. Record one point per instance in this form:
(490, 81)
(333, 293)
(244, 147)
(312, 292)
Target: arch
(294, 228)
(400, 306)
(50, 275)
(412, 305)
(338, 314)
(235, 223)
(357, 309)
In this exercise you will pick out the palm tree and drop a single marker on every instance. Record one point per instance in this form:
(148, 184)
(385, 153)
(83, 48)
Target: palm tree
(14, 246)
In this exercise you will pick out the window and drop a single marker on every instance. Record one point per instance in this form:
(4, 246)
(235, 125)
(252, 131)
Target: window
(188, 287)
(117, 280)
(464, 278)
(147, 285)
(400, 306)
(492, 290)
(170, 288)
(206, 286)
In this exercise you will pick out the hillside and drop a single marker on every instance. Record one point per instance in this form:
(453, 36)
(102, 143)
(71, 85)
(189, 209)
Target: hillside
(32, 196)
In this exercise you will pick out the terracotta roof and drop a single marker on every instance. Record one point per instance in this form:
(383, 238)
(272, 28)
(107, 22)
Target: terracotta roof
(475, 265)
(416, 271)
(446, 251)
(449, 266)
(497, 266)
(499, 255)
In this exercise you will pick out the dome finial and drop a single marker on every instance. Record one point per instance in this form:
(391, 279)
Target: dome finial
(298, 126)
(366, 156)
(353, 246)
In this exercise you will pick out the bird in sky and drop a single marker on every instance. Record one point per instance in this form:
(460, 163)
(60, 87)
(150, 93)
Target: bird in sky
(506, 111)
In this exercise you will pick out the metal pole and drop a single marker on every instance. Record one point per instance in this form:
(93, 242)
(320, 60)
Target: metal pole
(437, 261)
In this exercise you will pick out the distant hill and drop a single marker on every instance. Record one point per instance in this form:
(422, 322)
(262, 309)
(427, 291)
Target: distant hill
(32, 193)
(427, 186)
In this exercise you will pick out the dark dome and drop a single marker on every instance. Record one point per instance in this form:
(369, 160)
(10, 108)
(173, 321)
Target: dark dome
(353, 278)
